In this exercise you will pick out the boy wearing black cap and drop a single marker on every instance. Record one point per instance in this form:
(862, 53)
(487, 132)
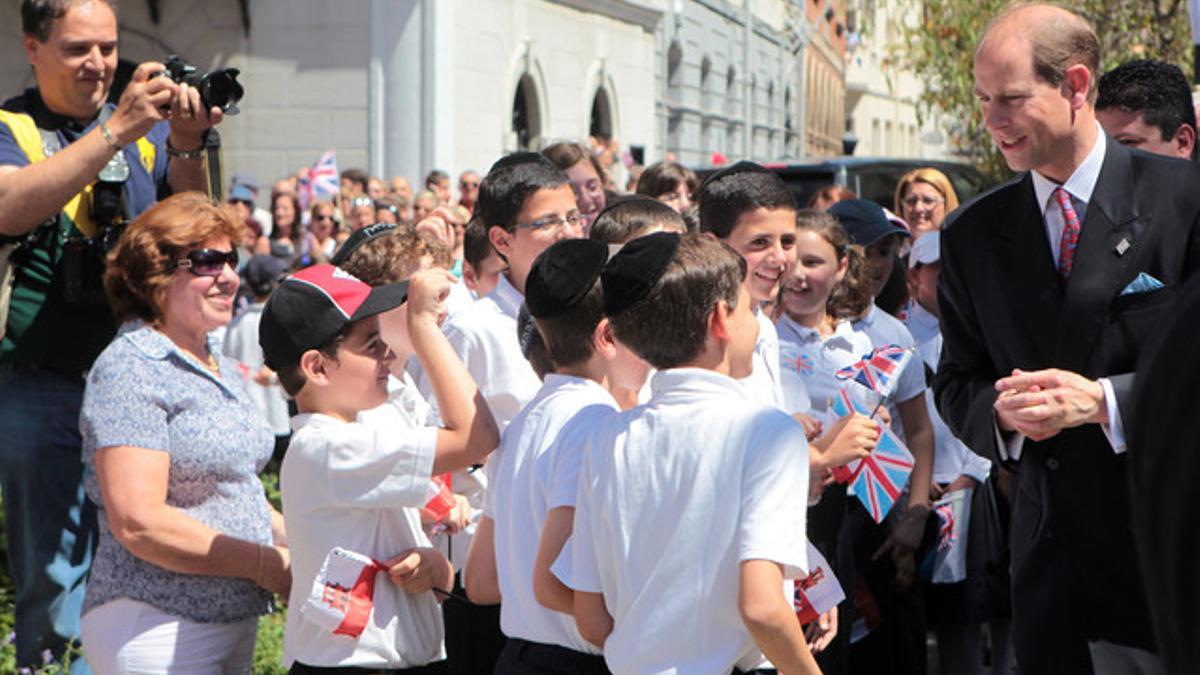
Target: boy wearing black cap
(353, 480)
(534, 475)
(898, 644)
(688, 506)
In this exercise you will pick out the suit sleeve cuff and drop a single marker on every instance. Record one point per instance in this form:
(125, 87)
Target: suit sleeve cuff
(1115, 429)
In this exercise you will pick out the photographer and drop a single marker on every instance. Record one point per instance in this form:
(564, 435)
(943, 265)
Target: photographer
(73, 170)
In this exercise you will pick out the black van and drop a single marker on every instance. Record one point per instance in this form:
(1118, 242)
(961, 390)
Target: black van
(873, 178)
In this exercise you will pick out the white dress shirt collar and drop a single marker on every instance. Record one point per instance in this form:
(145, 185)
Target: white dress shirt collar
(1081, 183)
(507, 297)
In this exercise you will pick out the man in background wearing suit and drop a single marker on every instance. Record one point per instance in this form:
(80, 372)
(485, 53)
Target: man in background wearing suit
(1050, 285)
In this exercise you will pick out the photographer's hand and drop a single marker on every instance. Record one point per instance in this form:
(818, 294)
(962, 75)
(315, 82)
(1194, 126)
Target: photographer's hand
(189, 119)
(145, 102)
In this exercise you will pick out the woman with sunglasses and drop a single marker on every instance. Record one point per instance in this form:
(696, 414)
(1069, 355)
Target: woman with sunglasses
(190, 551)
(323, 232)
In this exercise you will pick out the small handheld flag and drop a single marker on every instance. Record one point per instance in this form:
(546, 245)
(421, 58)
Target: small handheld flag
(878, 370)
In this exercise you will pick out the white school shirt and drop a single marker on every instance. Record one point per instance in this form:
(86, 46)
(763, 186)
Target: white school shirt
(535, 470)
(884, 329)
(358, 485)
(764, 384)
(807, 358)
(951, 457)
(484, 335)
(673, 495)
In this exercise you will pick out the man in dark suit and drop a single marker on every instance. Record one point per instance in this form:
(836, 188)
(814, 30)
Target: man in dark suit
(1050, 285)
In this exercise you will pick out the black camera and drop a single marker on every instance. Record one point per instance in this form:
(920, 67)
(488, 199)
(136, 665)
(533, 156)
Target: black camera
(218, 88)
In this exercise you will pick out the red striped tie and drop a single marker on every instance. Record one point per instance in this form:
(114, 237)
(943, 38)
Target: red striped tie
(1070, 233)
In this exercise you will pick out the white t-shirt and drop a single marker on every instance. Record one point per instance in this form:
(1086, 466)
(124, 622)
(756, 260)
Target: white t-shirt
(811, 360)
(358, 485)
(484, 335)
(951, 457)
(673, 495)
(241, 345)
(536, 469)
(885, 329)
(763, 384)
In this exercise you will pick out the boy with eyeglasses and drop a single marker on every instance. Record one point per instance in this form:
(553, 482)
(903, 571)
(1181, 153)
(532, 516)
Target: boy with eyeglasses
(526, 204)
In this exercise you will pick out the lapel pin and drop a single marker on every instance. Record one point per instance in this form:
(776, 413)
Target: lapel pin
(1123, 246)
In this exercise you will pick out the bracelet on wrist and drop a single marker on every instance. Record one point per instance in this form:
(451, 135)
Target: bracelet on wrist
(109, 137)
(198, 153)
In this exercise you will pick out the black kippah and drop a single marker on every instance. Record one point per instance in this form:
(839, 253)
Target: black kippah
(635, 269)
(562, 275)
(743, 166)
(360, 237)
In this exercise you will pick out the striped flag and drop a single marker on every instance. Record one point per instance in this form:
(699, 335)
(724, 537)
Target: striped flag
(322, 181)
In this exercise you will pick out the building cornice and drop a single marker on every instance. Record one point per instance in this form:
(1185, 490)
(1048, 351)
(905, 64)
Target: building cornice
(621, 10)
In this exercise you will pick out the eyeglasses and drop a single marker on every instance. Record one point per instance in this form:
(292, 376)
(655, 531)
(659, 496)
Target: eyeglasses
(207, 262)
(924, 200)
(574, 219)
(323, 216)
(468, 186)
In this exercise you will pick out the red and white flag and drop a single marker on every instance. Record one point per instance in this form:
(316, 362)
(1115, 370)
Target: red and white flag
(342, 595)
(818, 592)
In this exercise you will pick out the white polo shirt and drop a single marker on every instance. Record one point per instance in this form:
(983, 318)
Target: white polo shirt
(951, 457)
(536, 469)
(358, 486)
(813, 360)
(484, 335)
(885, 329)
(673, 495)
(763, 384)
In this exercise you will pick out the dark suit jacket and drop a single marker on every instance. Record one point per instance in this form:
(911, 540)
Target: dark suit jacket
(1004, 307)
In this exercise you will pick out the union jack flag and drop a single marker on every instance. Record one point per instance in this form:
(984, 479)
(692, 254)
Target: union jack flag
(877, 370)
(322, 181)
(798, 362)
(946, 531)
(882, 475)
(844, 404)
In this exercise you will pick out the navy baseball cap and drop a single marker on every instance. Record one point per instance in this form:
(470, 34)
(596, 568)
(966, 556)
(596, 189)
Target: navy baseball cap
(865, 221)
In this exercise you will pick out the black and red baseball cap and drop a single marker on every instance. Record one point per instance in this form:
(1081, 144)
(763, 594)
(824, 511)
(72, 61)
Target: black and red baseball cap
(314, 305)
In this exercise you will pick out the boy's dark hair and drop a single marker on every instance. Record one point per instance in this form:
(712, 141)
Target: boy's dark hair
(476, 245)
(357, 176)
(435, 177)
(38, 16)
(669, 327)
(502, 193)
(664, 177)
(723, 198)
(568, 336)
(533, 347)
(628, 216)
(291, 378)
(1157, 90)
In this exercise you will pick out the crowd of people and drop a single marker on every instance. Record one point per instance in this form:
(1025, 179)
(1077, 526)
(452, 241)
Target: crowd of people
(537, 424)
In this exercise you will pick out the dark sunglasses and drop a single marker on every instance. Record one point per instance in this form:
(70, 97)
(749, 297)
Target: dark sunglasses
(207, 262)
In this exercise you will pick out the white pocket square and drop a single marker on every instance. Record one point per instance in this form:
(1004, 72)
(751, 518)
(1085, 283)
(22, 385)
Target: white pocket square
(1144, 283)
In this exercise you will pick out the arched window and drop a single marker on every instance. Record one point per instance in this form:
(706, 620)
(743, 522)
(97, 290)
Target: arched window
(601, 125)
(526, 118)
